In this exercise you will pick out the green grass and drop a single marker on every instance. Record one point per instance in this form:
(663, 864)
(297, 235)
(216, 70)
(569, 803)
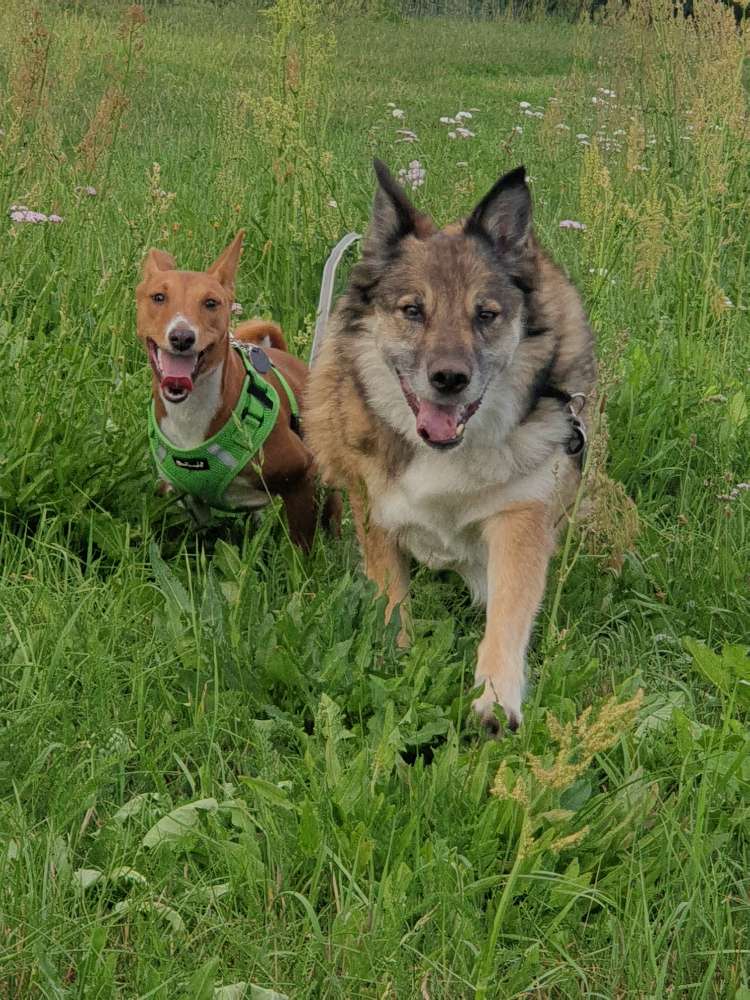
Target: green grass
(345, 843)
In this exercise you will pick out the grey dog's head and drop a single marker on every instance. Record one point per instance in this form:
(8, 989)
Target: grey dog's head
(446, 307)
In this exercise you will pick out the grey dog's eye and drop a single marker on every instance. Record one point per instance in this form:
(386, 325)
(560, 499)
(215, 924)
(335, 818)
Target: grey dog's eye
(486, 315)
(412, 311)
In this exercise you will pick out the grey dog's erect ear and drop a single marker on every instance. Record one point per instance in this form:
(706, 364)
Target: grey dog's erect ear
(393, 215)
(504, 214)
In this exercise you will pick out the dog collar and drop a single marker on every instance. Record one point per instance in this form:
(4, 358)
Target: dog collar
(205, 472)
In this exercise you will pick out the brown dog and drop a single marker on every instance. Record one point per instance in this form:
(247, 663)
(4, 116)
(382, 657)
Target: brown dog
(446, 400)
(213, 396)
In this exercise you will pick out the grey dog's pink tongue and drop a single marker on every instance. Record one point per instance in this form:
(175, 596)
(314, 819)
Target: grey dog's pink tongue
(437, 423)
(176, 370)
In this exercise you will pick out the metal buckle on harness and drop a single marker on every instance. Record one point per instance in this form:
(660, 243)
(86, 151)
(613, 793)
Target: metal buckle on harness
(578, 439)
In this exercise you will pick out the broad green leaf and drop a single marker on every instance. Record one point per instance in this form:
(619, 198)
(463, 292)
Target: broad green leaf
(247, 991)
(126, 874)
(309, 829)
(172, 917)
(730, 670)
(202, 981)
(267, 790)
(84, 878)
(136, 805)
(167, 582)
(259, 993)
(213, 893)
(577, 795)
(571, 884)
(708, 663)
(177, 824)
(656, 714)
(737, 409)
(236, 991)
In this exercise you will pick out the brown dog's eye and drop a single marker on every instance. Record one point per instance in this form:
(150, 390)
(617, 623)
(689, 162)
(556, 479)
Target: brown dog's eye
(486, 315)
(412, 311)
(211, 303)
(158, 297)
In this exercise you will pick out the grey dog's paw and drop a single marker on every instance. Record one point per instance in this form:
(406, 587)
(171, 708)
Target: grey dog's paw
(492, 696)
(485, 716)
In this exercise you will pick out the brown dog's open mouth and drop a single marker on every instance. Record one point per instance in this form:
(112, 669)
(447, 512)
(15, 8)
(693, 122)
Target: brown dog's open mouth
(176, 372)
(439, 425)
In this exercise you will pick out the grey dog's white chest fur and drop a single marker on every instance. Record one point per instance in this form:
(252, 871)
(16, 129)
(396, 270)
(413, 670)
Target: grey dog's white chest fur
(439, 504)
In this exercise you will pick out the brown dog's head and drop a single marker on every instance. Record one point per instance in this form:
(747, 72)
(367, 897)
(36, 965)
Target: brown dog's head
(445, 307)
(183, 317)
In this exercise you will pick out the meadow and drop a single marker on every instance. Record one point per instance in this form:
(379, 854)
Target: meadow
(219, 777)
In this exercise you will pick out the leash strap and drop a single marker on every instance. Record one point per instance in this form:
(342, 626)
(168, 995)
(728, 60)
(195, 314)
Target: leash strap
(326, 291)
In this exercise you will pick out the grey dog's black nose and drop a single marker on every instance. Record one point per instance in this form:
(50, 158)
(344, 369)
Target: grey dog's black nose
(449, 380)
(181, 338)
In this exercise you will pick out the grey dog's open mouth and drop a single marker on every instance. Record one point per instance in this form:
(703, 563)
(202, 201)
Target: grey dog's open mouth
(176, 372)
(438, 424)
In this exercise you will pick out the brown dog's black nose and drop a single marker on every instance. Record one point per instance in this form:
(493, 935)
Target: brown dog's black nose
(182, 338)
(450, 379)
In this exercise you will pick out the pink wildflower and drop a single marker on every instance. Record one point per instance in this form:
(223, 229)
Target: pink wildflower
(414, 176)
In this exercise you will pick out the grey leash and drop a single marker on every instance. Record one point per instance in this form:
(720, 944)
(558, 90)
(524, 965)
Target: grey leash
(326, 291)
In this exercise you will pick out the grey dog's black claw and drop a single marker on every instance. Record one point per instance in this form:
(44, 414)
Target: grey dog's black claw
(491, 724)
(513, 722)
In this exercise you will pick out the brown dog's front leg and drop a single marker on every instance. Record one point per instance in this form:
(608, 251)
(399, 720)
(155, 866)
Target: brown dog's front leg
(519, 543)
(301, 515)
(385, 564)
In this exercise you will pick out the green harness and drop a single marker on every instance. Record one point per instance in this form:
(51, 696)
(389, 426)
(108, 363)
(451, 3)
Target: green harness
(205, 472)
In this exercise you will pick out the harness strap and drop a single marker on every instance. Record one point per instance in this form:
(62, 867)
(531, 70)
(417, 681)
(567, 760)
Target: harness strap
(263, 364)
(206, 472)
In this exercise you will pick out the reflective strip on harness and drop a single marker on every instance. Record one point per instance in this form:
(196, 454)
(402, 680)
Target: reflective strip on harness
(222, 455)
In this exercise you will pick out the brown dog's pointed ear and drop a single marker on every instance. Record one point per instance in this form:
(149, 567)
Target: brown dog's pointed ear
(224, 268)
(157, 260)
(393, 215)
(504, 214)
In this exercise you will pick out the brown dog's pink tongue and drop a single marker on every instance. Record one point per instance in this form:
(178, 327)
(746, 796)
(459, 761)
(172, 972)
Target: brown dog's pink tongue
(437, 423)
(176, 370)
